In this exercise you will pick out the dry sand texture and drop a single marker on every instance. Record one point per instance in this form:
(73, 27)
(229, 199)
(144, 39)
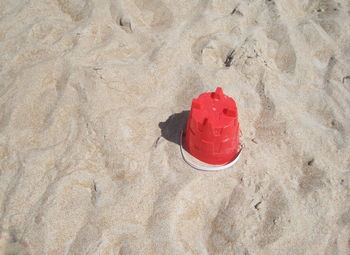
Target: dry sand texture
(87, 87)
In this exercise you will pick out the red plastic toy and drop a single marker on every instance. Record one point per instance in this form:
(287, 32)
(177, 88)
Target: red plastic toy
(212, 133)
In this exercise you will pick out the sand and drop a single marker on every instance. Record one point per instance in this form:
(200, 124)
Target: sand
(93, 94)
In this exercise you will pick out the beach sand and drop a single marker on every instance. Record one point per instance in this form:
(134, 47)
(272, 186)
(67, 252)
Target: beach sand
(93, 95)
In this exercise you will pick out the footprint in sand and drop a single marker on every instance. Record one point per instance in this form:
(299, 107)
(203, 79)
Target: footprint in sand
(155, 13)
(324, 14)
(312, 178)
(119, 15)
(285, 57)
(266, 125)
(76, 9)
(209, 51)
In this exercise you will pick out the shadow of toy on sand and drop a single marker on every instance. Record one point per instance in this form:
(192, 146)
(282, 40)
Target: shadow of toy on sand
(171, 128)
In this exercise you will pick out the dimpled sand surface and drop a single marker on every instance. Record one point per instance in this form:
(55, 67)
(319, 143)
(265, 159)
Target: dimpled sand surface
(93, 94)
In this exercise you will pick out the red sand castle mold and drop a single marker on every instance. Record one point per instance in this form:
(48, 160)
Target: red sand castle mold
(212, 133)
